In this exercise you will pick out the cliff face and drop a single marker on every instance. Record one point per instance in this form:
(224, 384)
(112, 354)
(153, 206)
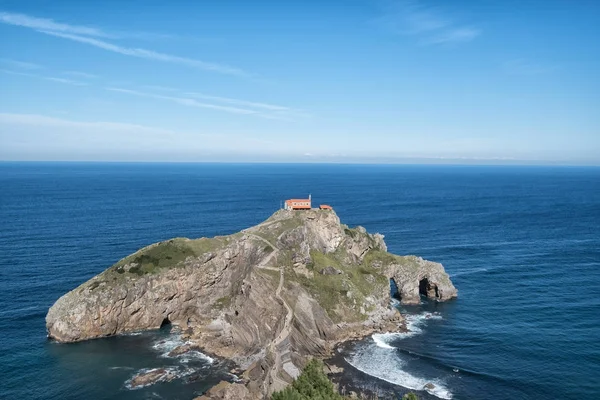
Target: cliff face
(266, 297)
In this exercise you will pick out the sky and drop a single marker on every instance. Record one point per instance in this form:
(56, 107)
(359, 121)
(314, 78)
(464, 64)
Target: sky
(406, 81)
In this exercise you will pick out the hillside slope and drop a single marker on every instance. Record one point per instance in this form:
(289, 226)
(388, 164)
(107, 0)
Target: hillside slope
(268, 297)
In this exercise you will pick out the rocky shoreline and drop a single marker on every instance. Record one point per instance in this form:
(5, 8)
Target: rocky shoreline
(358, 384)
(268, 298)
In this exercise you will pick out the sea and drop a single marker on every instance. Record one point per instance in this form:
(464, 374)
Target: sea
(521, 244)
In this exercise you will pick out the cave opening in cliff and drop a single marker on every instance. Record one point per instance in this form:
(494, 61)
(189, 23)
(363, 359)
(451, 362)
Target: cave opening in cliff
(394, 294)
(165, 322)
(428, 289)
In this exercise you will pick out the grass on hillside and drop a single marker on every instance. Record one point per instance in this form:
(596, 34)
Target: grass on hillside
(313, 384)
(342, 295)
(167, 254)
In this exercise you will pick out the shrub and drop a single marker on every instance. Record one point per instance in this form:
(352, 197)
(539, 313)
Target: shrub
(312, 384)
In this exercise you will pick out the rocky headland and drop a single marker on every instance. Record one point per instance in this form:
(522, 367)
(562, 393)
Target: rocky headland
(268, 298)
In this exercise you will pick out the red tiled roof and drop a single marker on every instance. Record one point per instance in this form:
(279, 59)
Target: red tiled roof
(299, 203)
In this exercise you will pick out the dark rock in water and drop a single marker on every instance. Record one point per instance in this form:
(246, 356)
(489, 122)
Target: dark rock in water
(151, 377)
(429, 386)
(329, 270)
(179, 350)
(333, 369)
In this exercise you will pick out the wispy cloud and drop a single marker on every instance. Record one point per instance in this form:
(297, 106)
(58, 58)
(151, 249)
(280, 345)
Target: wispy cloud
(91, 36)
(234, 106)
(28, 21)
(148, 54)
(45, 121)
(48, 78)
(20, 64)
(265, 106)
(184, 101)
(221, 99)
(458, 35)
(45, 24)
(66, 81)
(429, 24)
(522, 66)
(35, 136)
(79, 74)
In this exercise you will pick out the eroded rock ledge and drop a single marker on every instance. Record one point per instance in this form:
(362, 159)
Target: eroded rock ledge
(268, 297)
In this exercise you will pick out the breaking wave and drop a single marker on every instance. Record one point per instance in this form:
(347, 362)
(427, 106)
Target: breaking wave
(132, 334)
(414, 324)
(194, 355)
(381, 340)
(166, 346)
(188, 362)
(170, 373)
(381, 360)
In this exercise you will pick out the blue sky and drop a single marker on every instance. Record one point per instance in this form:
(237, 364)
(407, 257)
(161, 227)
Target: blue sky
(301, 81)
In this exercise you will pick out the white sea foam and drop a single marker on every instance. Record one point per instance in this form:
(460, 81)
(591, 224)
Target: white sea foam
(414, 325)
(381, 340)
(165, 346)
(378, 361)
(163, 377)
(171, 373)
(234, 377)
(195, 355)
(173, 341)
(388, 366)
(132, 334)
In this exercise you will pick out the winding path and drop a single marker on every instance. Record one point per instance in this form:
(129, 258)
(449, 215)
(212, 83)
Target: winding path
(287, 326)
(285, 332)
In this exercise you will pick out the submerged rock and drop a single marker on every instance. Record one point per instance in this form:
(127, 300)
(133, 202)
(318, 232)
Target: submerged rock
(268, 297)
(151, 377)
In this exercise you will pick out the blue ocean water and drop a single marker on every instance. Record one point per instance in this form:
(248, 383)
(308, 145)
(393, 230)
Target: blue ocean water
(522, 245)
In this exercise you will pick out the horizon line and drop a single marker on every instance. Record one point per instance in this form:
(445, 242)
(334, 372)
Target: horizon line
(517, 163)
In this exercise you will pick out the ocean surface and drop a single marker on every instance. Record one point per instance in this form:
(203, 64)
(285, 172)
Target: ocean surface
(522, 245)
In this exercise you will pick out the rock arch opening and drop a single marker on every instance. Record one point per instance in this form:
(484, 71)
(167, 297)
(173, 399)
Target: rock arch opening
(428, 289)
(394, 293)
(165, 322)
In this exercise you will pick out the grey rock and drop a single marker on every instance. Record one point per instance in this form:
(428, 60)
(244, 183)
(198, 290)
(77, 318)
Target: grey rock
(329, 270)
(240, 297)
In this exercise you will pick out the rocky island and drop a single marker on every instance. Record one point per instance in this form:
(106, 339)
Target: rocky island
(268, 298)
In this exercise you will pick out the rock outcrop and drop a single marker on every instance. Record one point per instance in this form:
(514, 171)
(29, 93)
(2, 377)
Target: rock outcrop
(268, 297)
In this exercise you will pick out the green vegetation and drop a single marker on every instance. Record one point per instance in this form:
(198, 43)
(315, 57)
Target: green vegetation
(312, 384)
(343, 295)
(272, 231)
(380, 257)
(351, 232)
(167, 254)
